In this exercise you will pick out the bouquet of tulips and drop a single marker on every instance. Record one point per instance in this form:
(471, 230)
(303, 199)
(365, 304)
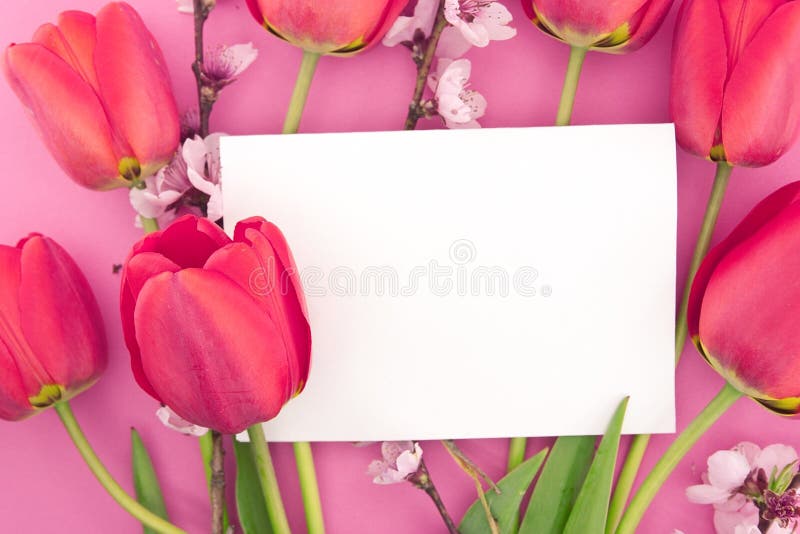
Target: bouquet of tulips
(220, 357)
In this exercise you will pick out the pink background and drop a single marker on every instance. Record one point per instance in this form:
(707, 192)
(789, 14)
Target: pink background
(45, 486)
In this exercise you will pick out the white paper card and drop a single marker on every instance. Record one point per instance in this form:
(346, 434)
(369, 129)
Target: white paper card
(474, 283)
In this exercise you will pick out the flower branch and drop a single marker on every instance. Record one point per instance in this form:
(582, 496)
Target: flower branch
(424, 62)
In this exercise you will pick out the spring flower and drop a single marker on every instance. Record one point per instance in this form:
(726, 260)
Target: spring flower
(185, 6)
(401, 461)
(336, 27)
(174, 421)
(216, 327)
(734, 79)
(615, 27)
(746, 483)
(52, 341)
(98, 90)
(478, 22)
(459, 106)
(743, 302)
(223, 65)
(405, 29)
(203, 170)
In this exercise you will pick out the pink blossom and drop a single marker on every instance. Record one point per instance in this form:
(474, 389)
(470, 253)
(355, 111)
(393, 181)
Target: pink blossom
(174, 421)
(404, 28)
(224, 64)
(401, 460)
(735, 477)
(162, 190)
(459, 106)
(203, 170)
(478, 22)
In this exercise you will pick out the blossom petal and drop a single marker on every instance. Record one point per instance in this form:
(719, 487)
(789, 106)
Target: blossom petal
(727, 470)
(707, 494)
(776, 457)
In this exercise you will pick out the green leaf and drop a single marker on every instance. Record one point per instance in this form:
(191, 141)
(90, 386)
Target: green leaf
(561, 478)
(590, 512)
(505, 505)
(249, 497)
(148, 492)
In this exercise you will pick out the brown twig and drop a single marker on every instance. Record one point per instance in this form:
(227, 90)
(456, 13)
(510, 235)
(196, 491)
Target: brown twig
(415, 111)
(204, 101)
(217, 484)
(422, 480)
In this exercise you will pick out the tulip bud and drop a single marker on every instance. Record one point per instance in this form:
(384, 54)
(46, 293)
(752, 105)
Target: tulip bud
(614, 27)
(52, 342)
(336, 27)
(216, 328)
(745, 301)
(735, 79)
(98, 90)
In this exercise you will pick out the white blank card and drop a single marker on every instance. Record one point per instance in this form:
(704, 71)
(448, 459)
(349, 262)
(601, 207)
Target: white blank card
(473, 283)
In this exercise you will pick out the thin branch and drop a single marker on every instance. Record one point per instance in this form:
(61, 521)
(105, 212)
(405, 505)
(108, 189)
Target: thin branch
(415, 111)
(202, 8)
(422, 480)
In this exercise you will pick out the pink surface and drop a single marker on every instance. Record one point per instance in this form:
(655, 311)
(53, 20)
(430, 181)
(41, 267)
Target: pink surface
(46, 488)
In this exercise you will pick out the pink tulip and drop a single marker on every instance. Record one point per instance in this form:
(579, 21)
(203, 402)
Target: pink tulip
(98, 90)
(607, 26)
(337, 27)
(745, 301)
(52, 342)
(736, 79)
(216, 328)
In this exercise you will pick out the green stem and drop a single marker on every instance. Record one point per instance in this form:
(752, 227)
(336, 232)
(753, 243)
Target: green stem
(309, 487)
(516, 452)
(639, 443)
(301, 88)
(721, 180)
(627, 476)
(682, 444)
(131, 505)
(576, 57)
(149, 225)
(269, 481)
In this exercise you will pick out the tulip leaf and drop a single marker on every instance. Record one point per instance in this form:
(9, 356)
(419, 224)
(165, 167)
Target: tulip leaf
(206, 451)
(558, 485)
(148, 491)
(590, 512)
(504, 505)
(253, 516)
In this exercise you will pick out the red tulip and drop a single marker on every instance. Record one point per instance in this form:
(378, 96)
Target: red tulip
(617, 27)
(337, 27)
(52, 342)
(736, 79)
(745, 302)
(99, 92)
(216, 328)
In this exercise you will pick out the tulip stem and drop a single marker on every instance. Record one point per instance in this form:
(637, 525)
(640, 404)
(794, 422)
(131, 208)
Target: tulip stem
(726, 397)
(301, 88)
(721, 180)
(415, 111)
(516, 452)
(265, 470)
(639, 443)
(131, 505)
(574, 66)
(148, 225)
(309, 487)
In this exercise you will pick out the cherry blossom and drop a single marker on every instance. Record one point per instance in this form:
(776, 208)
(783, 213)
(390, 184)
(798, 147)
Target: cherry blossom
(459, 106)
(401, 460)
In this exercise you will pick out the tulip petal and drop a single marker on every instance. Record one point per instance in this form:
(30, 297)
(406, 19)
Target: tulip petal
(187, 241)
(279, 270)
(752, 223)
(742, 19)
(648, 21)
(760, 114)
(209, 351)
(134, 82)
(14, 392)
(138, 270)
(73, 40)
(69, 338)
(754, 351)
(585, 22)
(699, 59)
(70, 117)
